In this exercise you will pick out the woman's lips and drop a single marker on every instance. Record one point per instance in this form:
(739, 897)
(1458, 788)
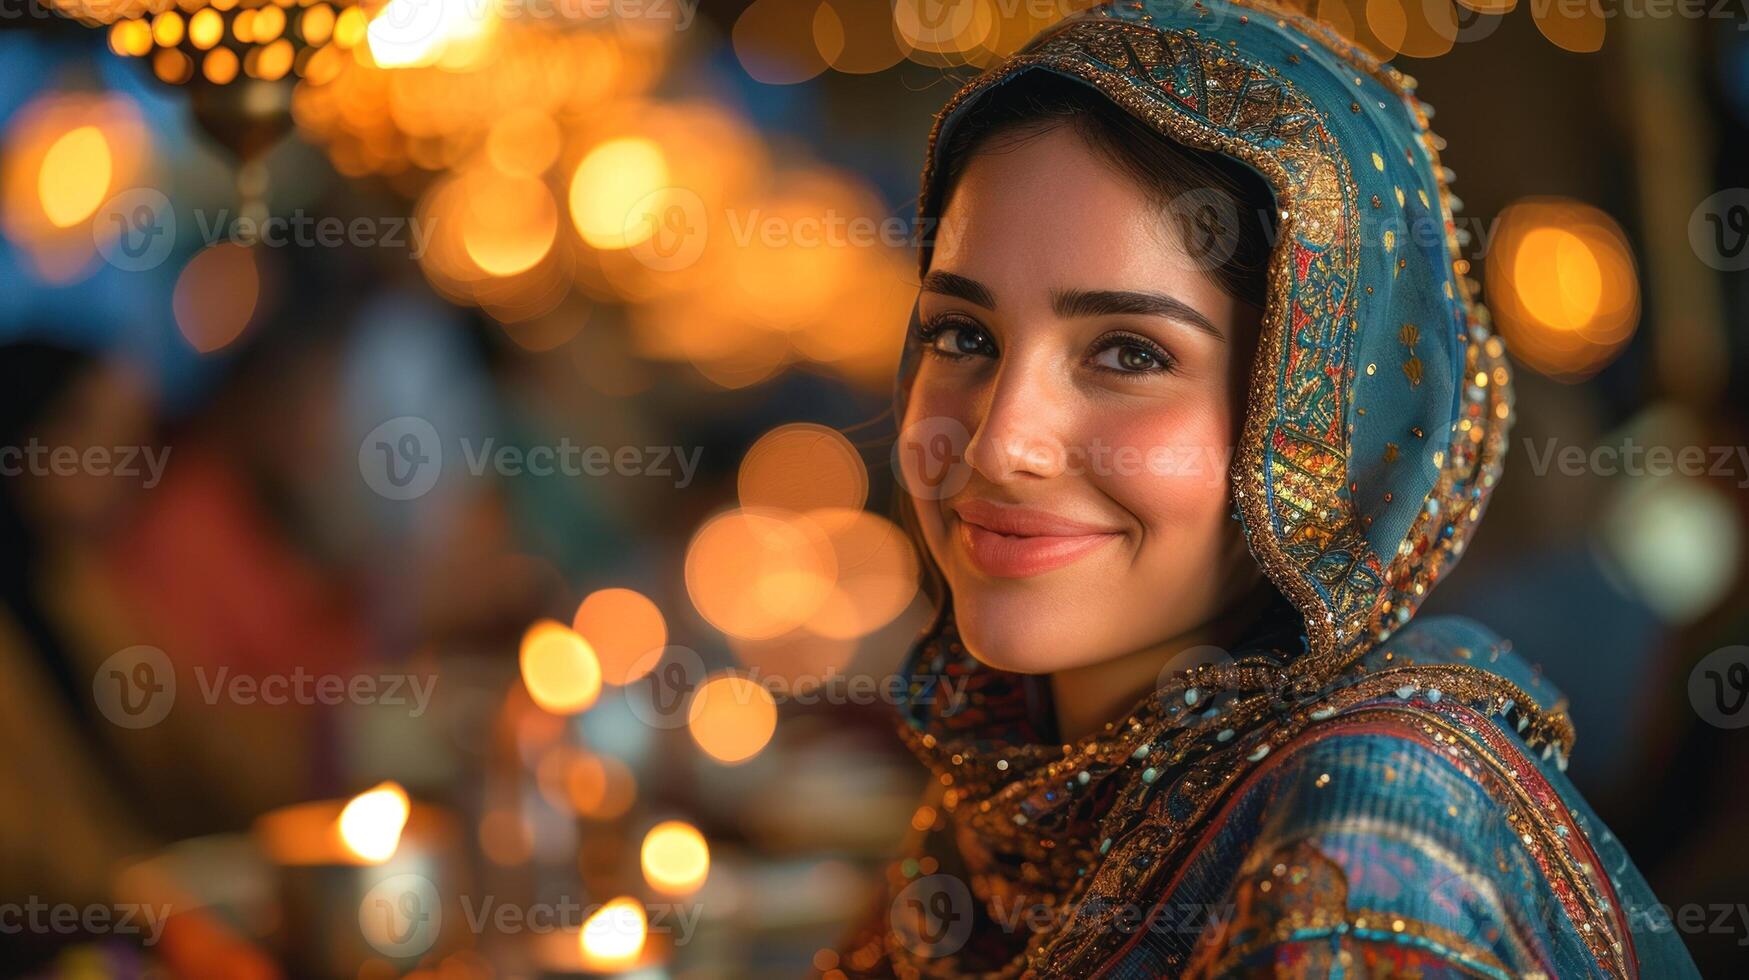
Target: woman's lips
(1008, 542)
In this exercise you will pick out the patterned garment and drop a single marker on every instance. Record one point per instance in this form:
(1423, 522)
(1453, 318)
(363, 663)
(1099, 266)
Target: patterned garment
(1350, 792)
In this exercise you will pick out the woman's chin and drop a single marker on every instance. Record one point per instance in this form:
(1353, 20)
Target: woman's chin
(1023, 661)
(1018, 641)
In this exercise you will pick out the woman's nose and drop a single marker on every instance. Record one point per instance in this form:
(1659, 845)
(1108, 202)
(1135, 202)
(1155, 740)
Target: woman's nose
(1021, 432)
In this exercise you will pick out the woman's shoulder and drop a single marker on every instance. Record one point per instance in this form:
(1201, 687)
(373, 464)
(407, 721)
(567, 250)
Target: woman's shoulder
(1451, 671)
(1436, 757)
(1420, 817)
(1459, 641)
(1439, 736)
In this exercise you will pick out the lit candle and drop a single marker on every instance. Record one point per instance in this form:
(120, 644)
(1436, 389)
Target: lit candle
(614, 942)
(361, 879)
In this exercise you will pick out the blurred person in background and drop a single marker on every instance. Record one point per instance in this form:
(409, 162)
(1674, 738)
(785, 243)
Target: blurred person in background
(64, 825)
(223, 541)
(84, 794)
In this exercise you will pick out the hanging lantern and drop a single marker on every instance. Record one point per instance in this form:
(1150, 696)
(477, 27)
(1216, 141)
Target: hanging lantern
(224, 41)
(238, 59)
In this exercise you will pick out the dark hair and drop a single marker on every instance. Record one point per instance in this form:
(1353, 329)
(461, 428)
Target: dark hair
(1224, 211)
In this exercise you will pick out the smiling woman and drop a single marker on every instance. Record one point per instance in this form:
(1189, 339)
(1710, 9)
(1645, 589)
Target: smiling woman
(1181, 522)
(1125, 343)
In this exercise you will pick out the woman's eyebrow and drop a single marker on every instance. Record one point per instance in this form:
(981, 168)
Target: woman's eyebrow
(970, 290)
(1117, 302)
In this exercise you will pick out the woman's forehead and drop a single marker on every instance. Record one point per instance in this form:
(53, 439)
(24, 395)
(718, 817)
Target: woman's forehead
(1052, 212)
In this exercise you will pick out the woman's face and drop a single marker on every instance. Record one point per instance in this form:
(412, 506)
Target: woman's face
(1090, 378)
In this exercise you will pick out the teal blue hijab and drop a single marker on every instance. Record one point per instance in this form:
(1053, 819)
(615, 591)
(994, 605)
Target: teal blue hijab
(1355, 791)
(1380, 402)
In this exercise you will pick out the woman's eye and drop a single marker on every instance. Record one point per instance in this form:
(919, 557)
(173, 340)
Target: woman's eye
(1130, 359)
(961, 341)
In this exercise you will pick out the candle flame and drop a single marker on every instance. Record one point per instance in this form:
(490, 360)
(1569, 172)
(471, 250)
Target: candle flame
(614, 936)
(371, 824)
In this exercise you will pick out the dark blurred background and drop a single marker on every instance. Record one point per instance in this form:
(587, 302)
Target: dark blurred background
(408, 407)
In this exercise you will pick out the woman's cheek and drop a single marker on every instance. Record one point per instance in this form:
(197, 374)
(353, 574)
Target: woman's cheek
(1172, 471)
(931, 451)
